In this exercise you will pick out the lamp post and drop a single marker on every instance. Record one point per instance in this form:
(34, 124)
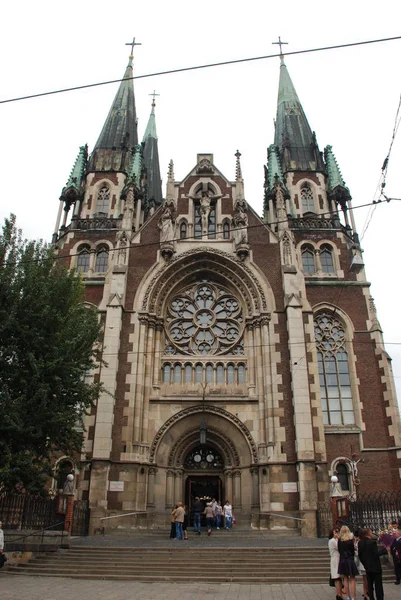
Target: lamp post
(203, 428)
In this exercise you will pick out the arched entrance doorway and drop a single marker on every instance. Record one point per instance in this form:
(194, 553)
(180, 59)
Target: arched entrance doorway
(203, 468)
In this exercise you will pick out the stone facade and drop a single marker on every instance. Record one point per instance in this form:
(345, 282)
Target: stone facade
(257, 328)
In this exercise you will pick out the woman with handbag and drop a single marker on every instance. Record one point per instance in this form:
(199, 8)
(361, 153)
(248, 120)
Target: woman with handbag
(335, 578)
(346, 566)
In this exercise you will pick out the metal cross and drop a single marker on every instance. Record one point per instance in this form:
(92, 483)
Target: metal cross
(132, 44)
(279, 43)
(154, 97)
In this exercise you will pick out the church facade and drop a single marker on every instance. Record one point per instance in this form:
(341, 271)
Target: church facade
(242, 357)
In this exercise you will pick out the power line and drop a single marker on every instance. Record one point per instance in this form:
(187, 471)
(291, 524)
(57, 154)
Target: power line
(198, 67)
(157, 243)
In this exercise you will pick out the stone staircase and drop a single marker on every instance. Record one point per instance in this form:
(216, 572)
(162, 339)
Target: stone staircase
(180, 564)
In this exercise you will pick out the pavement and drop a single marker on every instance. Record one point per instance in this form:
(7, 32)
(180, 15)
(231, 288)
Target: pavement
(17, 587)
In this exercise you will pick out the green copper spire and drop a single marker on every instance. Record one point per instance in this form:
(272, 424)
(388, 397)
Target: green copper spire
(72, 189)
(335, 179)
(274, 170)
(293, 136)
(120, 129)
(151, 159)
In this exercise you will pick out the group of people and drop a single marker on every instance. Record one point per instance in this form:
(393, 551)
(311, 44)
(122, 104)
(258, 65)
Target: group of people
(358, 553)
(214, 514)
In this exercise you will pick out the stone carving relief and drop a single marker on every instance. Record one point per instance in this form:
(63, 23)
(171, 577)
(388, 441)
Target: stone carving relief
(197, 409)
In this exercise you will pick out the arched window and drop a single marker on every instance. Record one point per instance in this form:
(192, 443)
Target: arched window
(220, 374)
(209, 374)
(188, 373)
(230, 374)
(326, 259)
(83, 261)
(102, 261)
(308, 260)
(241, 374)
(166, 373)
(103, 198)
(343, 476)
(183, 230)
(226, 230)
(335, 384)
(308, 203)
(177, 373)
(198, 374)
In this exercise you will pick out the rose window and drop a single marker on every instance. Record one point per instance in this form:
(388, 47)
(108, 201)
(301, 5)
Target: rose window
(204, 319)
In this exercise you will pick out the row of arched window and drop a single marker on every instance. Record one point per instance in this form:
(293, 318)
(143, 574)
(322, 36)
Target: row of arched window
(200, 373)
(314, 260)
(183, 228)
(97, 260)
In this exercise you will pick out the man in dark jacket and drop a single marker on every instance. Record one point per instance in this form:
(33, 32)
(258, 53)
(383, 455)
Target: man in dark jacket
(395, 550)
(369, 555)
(197, 508)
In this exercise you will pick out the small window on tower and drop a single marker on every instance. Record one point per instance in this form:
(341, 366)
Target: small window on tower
(83, 261)
(183, 230)
(308, 260)
(326, 259)
(103, 198)
(102, 261)
(308, 203)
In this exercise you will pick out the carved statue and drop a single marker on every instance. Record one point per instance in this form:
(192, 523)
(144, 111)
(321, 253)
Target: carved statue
(205, 210)
(166, 225)
(240, 222)
(122, 247)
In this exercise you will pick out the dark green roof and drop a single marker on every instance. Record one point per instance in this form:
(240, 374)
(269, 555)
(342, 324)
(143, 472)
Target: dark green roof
(151, 160)
(120, 128)
(293, 135)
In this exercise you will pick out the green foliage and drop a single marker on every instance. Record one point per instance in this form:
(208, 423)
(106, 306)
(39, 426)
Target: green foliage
(47, 338)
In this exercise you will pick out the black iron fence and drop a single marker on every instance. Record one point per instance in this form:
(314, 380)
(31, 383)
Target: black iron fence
(29, 512)
(376, 510)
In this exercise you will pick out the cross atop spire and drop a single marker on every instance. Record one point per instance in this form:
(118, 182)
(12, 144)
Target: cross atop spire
(279, 43)
(238, 172)
(132, 44)
(154, 98)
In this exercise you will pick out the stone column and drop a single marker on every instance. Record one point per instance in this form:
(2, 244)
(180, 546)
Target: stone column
(138, 215)
(57, 226)
(268, 392)
(66, 211)
(178, 487)
(228, 486)
(169, 488)
(237, 489)
(261, 383)
(156, 358)
(251, 358)
(255, 487)
(151, 486)
(139, 387)
(148, 374)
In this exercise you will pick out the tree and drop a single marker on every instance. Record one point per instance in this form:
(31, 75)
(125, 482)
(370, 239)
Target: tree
(47, 344)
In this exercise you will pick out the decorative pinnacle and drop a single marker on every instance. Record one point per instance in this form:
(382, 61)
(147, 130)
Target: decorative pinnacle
(279, 43)
(238, 172)
(170, 174)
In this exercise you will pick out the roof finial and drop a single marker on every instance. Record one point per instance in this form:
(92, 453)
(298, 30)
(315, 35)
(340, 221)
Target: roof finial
(154, 98)
(238, 172)
(132, 44)
(279, 43)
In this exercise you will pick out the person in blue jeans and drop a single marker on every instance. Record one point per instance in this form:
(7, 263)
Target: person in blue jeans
(179, 514)
(197, 508)
(228, 514)
(219, 513)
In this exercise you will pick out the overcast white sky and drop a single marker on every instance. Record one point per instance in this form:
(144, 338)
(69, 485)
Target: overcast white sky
(350, 97)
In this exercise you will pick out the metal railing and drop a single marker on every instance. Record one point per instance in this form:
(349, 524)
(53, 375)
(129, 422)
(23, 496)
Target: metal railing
(42, 533)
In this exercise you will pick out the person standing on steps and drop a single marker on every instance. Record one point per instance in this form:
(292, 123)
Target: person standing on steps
(369, 555)
(219, 514)
(228, 514)
(179, 519)
(3, 558)
(346, 566)
(209, 514)
(334, 560)
(197, 508)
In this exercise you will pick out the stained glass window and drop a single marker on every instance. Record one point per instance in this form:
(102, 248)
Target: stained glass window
(308, 203)
(102, 260)
(83, 261)
(335, 384)
(204, 319)
(308, 260)
(103, 197)
(326, 260)
(204, 458)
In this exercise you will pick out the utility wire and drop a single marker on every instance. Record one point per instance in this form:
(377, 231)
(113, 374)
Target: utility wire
(382, 180)
(157, 243)
(198, 67)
